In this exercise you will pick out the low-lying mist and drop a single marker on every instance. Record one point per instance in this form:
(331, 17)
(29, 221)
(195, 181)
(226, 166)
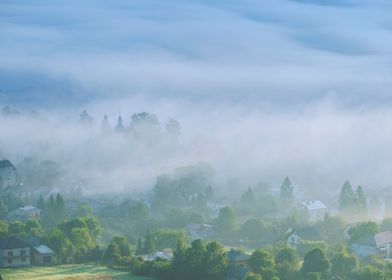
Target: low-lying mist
(319, 146)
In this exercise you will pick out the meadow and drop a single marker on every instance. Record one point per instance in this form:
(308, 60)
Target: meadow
(67, 272)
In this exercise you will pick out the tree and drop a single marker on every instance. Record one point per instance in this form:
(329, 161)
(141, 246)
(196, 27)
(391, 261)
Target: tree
(139, 247)
(386, 224)
(360, 200)
(262, 262)
(287, 254)
(253, 229)
(347, 199)
(149, 243)
(286, 261)
(41, 203)
(370, 273)
(120, 126)
(85, 118)
(105, 127)
(215, 261)
(315, 261)
(226, 222)
(363, 229)
(343, 263)
(286, 190)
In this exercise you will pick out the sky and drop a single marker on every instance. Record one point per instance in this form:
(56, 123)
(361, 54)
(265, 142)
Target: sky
(262, 88)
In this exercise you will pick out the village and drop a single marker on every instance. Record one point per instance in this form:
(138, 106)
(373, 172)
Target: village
(241, 226)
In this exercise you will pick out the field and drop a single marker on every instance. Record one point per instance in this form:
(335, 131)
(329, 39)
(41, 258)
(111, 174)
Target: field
(67, 272)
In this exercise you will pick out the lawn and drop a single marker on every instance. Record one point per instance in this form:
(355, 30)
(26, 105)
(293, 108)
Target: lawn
(68, 272)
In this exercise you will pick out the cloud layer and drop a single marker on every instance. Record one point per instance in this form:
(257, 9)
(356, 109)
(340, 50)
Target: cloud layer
(263, 89)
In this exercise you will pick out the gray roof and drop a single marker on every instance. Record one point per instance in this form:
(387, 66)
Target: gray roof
(43, 249)
(12, 242)
(4, 163)
(384, 237)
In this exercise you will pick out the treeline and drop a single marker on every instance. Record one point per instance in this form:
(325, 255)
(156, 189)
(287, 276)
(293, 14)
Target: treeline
(209, 261)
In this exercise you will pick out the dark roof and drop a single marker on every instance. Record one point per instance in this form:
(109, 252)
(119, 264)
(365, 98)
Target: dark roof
(234, 255)
(365, 240)
(6, 163)
(12, 242)
(307, 233)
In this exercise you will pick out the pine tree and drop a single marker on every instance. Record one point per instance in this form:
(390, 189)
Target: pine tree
(105, 127)
(360, 201)
(347, 198)
(41, 203)
(120, 126)
(149, 244)
(139, 247)
(286, 190)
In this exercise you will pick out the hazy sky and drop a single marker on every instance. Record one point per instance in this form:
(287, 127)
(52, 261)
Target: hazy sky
(282, 52)
(263, 88)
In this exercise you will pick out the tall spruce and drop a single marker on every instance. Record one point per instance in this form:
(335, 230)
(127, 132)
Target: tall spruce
(347, 199)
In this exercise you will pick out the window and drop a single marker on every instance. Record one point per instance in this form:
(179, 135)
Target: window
(22, 252)
(10, 253)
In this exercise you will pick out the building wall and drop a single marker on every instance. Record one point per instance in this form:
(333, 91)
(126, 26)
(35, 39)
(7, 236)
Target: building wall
(15, 257)
(363, 250)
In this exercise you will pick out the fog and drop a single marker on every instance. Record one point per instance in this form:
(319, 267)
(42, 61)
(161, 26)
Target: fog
(262, 89)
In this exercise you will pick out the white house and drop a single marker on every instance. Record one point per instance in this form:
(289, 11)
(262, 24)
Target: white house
(8, 176)
(314, 210)
(25, 213)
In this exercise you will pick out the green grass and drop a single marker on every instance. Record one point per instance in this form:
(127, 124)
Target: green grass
(67, 272)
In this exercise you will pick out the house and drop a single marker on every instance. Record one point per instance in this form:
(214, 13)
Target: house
(238, 265)
(40, 253)
(14, 252)
(25, 213)
(313, 210)
(8, 176)
(200, 231)
(165, 254)
(295, 236)
(238, 258)
(380, 243)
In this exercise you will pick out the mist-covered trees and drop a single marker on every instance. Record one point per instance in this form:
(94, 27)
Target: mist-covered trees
(315, 261)
(362, 229)
(203, 260)
(227, 222)
(352, 203)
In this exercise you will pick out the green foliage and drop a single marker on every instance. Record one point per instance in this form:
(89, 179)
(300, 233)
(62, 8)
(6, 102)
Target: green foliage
(179, 218)
(287, 254)
(286, 190)
(343, 263)
(386, 224)
(315, 261)
(307, 245)
(352, 204)
(227, 222)
(253, 276)
(331, 229)
(201, 261)
(363, 229)
(262, 262)
(253, 229)
(117, 250)
(370, 273)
